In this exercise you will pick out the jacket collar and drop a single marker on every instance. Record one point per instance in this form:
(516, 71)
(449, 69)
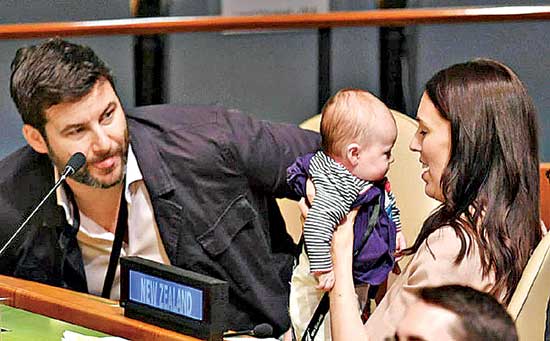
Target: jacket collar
(159, 182)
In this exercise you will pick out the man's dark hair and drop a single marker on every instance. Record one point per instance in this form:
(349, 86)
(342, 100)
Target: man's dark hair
(50, 73)
(481, 316)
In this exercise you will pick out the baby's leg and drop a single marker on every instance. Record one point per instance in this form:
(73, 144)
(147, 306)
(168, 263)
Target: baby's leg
(304, 298)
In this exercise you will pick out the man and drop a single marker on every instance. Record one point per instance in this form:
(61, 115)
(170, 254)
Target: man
(198, 183)
(457, 313)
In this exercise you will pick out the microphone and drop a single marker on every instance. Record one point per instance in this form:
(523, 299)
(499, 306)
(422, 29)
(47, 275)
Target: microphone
(76, 161)
(260, 331)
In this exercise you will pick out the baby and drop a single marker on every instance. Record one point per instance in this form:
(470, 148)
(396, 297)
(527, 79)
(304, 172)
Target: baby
(358, 133)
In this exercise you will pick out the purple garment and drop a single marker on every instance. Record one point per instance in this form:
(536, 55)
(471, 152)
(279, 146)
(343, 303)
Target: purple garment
(375, 259)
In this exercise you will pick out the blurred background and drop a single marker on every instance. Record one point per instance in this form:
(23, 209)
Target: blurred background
(275, 74)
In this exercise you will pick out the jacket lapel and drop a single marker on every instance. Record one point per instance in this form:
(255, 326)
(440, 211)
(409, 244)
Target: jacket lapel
(161, 188)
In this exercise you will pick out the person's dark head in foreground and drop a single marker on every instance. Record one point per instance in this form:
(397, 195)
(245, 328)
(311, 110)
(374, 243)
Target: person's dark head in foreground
(455, 312)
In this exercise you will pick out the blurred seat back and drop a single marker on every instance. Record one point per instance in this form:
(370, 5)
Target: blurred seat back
(530, 299)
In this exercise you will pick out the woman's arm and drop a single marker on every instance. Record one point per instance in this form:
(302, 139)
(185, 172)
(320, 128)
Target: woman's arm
(345, 319)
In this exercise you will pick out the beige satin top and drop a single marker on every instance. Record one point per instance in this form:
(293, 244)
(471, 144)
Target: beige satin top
(427, 270)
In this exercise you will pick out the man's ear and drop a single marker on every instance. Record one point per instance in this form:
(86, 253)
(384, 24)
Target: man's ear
(352, 153)
(35, 139)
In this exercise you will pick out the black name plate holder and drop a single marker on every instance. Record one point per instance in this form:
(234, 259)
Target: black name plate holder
(173, 298)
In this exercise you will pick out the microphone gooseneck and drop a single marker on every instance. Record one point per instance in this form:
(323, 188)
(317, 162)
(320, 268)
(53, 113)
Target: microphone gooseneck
(260, 331)
(76, 161)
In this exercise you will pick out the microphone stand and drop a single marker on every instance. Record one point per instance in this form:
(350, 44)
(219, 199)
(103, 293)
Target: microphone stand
(61, 179)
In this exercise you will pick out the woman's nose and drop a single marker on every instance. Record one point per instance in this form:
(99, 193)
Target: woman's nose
(414, 145)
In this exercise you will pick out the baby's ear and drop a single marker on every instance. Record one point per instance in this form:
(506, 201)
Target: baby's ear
(352, 153)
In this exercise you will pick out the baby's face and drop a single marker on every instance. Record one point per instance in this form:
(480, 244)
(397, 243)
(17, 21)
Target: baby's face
(375, 156)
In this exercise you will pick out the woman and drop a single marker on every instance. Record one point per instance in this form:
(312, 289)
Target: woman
(477, 141)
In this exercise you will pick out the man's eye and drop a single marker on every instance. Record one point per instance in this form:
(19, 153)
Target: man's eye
(108, 115)
(75, 131)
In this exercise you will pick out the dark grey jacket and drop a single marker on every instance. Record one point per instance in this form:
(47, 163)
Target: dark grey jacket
(212, 175)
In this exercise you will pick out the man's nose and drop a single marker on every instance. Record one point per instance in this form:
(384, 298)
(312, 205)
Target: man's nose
(101, 141)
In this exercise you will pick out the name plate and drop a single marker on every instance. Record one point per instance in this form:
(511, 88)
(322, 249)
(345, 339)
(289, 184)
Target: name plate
(173, 298)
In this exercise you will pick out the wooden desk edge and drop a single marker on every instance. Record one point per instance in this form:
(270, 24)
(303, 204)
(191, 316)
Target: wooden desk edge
(81, 309)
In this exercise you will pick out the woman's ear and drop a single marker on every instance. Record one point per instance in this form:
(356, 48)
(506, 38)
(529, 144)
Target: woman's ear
(35, 139)
(352, 154)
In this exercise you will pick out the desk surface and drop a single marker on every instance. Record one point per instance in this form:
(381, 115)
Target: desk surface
(24, 325)
(80, 309)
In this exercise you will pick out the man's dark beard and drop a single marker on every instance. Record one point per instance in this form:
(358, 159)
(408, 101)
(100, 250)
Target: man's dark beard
(83, 176)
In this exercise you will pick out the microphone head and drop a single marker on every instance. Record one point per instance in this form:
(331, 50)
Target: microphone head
(262, 330)
(76, 161)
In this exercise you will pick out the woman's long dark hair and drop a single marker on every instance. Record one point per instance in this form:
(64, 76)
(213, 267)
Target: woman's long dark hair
(491, 183)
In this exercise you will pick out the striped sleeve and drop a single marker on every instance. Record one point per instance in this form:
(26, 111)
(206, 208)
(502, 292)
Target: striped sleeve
(335, 190)
(392, 209)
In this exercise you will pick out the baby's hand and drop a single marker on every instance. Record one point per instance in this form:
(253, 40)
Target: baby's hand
(400, 245)
(325, 279)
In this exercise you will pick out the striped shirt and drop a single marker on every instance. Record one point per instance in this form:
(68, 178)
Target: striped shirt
(335, 191)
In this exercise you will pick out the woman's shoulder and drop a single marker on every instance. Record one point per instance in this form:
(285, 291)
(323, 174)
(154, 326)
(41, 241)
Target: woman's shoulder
(437, 262)
(444, 237)
(446, 243)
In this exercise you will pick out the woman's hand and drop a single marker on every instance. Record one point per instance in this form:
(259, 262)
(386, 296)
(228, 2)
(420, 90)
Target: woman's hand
(305, 203)
(345, 319)
(342, 239)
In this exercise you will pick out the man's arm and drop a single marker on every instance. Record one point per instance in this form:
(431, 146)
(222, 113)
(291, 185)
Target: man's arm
(266, 149)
